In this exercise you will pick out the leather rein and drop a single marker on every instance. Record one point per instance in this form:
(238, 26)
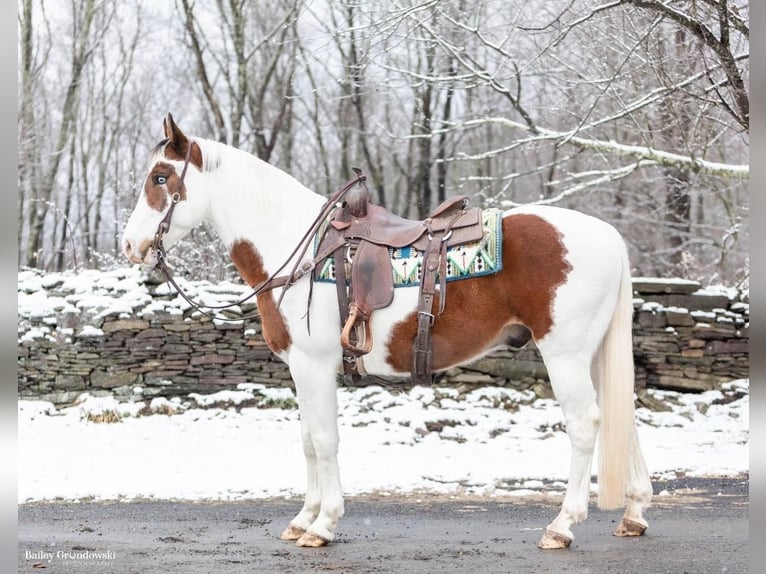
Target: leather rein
(274, 281)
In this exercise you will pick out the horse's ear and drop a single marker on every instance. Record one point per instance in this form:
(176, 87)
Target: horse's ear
(174, 134)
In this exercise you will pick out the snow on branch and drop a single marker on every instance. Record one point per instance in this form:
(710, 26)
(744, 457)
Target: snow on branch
(659, 157)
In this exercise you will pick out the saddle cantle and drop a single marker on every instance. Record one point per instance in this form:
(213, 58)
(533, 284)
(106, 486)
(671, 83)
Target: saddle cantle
(358, 236)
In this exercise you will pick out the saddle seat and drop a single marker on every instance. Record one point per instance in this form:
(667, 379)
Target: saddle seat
(378, 225)
(359, 236)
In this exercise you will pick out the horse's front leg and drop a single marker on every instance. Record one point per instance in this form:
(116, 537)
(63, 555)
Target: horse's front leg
(311, 505)
(318, 403)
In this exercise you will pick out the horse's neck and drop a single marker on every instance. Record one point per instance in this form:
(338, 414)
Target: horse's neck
(254, 201)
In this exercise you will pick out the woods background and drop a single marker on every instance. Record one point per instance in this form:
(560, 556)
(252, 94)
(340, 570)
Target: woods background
(636, 111)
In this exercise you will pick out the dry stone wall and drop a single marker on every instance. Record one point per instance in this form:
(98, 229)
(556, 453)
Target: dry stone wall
(120, 333)
(686, 338)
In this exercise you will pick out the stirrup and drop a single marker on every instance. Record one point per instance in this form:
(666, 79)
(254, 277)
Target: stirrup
(364, 343)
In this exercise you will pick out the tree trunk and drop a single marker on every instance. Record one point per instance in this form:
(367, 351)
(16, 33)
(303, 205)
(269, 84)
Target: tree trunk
(678, 213)
(441, 166)
(202, 75)
(355, 71)
(81, 53)
(425, 197)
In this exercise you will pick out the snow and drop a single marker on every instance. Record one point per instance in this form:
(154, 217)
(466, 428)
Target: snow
(90, 331)
(245, 443)
(663, 280)
(120, 292)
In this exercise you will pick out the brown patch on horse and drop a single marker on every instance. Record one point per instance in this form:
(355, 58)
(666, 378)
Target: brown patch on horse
(178, 153)
(158, 194)
(178, 143)
(250, 266)
(480, 310)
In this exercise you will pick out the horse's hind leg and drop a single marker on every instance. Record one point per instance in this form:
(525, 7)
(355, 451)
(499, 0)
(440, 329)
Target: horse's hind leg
(638, 492)
(571, 381)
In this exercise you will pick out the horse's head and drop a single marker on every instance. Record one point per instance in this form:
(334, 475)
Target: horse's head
(171, 194)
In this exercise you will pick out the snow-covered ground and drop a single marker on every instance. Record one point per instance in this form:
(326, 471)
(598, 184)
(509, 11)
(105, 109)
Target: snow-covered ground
(491, 441)
(245, 443)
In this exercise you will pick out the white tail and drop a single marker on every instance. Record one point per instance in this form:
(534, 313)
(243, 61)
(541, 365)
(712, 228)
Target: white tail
(614, 375)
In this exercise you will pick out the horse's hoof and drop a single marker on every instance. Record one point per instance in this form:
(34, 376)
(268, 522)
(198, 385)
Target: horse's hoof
(553, 540)
(292, 533)
(308, 540)
(630, 528)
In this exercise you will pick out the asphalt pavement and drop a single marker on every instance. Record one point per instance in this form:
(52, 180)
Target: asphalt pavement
(698, 526)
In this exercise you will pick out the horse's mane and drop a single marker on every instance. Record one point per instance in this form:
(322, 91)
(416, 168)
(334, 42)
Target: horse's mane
(157, 152)
(211, 154)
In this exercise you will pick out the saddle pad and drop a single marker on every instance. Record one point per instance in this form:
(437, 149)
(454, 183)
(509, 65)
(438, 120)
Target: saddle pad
(483, 257)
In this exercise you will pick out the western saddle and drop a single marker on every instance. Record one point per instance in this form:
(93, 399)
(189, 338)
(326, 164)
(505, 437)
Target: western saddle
(358, 236)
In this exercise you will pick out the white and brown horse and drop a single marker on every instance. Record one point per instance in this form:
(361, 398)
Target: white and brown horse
(565, 278)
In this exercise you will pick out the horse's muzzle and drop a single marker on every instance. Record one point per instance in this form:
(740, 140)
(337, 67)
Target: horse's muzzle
(143, 255)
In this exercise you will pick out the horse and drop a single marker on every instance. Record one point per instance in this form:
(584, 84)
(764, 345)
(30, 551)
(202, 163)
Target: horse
(565, 282)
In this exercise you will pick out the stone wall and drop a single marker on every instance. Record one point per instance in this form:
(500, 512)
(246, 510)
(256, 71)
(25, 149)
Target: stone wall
(686, 338)
(119, 333)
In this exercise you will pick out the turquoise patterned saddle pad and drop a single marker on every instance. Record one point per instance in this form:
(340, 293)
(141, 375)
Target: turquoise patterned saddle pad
(484, 257)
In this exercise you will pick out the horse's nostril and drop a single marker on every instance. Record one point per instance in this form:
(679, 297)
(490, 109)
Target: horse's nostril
(137, 252)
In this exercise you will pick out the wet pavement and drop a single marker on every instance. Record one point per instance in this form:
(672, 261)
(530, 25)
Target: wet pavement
(698, 526)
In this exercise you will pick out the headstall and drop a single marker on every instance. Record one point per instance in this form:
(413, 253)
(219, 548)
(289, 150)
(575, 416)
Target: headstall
(274, 281)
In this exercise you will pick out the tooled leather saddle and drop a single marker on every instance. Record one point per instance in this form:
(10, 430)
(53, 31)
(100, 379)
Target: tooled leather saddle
(358, 236)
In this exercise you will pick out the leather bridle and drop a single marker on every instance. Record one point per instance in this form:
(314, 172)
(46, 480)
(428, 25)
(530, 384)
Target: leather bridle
(274, 281)
(175, 197)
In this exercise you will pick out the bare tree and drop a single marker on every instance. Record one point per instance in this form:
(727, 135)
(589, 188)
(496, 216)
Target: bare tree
(648, 89)
(633, 110)
(108, 93)
(254, 58)
(29, 156)
(85, 37)
(700, 20)
(346, 25)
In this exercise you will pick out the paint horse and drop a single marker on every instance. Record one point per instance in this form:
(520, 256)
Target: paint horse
(565, 280)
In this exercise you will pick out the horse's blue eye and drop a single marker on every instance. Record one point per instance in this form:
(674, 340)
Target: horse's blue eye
(160, 180)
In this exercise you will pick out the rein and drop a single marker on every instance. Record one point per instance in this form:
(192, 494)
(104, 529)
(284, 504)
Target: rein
(274, 281)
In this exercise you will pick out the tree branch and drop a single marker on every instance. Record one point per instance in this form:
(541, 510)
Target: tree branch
(720, 46)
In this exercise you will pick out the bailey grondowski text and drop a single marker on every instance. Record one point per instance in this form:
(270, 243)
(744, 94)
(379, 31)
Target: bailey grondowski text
(49, 556)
